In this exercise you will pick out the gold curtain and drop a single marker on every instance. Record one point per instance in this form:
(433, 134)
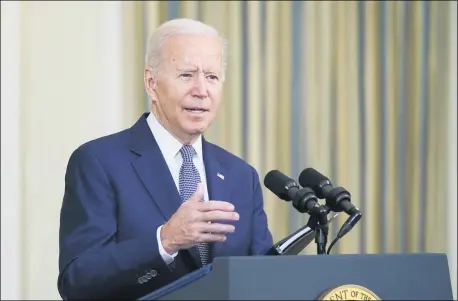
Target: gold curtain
(356, 90)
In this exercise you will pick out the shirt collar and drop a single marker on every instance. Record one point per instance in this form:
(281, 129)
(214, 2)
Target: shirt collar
(169, 145)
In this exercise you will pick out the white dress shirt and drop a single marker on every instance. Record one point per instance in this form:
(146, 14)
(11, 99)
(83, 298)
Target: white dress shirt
(170, 148)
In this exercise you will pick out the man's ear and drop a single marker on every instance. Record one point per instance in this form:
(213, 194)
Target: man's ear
(150, 83)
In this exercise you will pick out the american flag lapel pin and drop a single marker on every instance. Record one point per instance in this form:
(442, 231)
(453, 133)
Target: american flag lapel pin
(220, 176)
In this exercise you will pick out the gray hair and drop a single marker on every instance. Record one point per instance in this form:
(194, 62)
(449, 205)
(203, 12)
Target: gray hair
(153, 57)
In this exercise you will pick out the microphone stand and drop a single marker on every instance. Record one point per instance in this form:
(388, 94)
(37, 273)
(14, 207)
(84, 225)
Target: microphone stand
(319, 222)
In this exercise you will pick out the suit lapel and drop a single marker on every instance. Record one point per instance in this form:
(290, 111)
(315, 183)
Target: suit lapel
(218, 188)
(215, 174)
(155, 176)
(152, 169)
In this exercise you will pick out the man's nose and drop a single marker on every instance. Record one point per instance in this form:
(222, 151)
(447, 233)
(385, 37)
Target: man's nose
(200, 87)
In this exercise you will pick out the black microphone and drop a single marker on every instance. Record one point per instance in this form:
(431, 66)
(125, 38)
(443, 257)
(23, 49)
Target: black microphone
(304, 199)
(338, 199)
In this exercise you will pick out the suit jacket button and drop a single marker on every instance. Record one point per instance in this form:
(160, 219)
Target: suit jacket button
(153, 273)
(148, 276)
(140, 280)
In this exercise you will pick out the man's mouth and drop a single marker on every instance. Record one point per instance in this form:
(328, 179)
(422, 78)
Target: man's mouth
(195, 110)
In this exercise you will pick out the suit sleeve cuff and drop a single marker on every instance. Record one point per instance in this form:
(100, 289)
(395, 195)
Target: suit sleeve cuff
(168, 259)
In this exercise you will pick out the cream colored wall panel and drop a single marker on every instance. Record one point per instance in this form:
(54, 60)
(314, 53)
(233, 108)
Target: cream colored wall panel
(10, 159)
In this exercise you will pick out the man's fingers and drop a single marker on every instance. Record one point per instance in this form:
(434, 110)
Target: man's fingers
(216, 205)
(218, 215)
(216, 228)
(210, 237)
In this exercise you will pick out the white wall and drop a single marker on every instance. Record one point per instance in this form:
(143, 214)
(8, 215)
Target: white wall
(10, 158)
(71, 90)
(453, 178)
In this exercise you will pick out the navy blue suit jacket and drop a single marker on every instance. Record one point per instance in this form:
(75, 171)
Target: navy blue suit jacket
(118, 191)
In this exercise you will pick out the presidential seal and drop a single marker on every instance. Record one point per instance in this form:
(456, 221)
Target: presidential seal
(349, 292)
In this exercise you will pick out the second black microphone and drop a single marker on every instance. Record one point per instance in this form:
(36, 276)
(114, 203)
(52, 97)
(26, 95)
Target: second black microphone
(303, 199)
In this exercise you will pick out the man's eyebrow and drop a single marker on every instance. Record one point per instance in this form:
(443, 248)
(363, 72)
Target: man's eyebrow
(188, 69)
(194, 70)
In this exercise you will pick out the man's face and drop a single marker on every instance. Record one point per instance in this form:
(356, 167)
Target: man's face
(188, 90)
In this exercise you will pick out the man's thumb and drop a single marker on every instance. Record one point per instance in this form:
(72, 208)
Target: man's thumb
(199, 194)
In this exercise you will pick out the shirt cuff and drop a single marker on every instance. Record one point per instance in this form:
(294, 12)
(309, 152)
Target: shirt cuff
(168, 259)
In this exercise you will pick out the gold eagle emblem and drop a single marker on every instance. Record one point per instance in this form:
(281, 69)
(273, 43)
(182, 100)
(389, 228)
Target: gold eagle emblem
(349, 292)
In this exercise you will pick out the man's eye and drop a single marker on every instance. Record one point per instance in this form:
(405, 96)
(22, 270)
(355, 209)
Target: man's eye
(186, 75)
(213, 77)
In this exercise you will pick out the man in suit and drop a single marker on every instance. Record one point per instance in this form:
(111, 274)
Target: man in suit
(145, 206)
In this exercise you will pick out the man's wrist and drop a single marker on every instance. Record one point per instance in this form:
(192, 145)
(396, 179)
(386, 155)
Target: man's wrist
(167, 254)
(166, 243)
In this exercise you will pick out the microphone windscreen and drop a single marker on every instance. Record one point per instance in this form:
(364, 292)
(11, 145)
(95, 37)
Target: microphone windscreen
(311, 178)
(277, 182)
